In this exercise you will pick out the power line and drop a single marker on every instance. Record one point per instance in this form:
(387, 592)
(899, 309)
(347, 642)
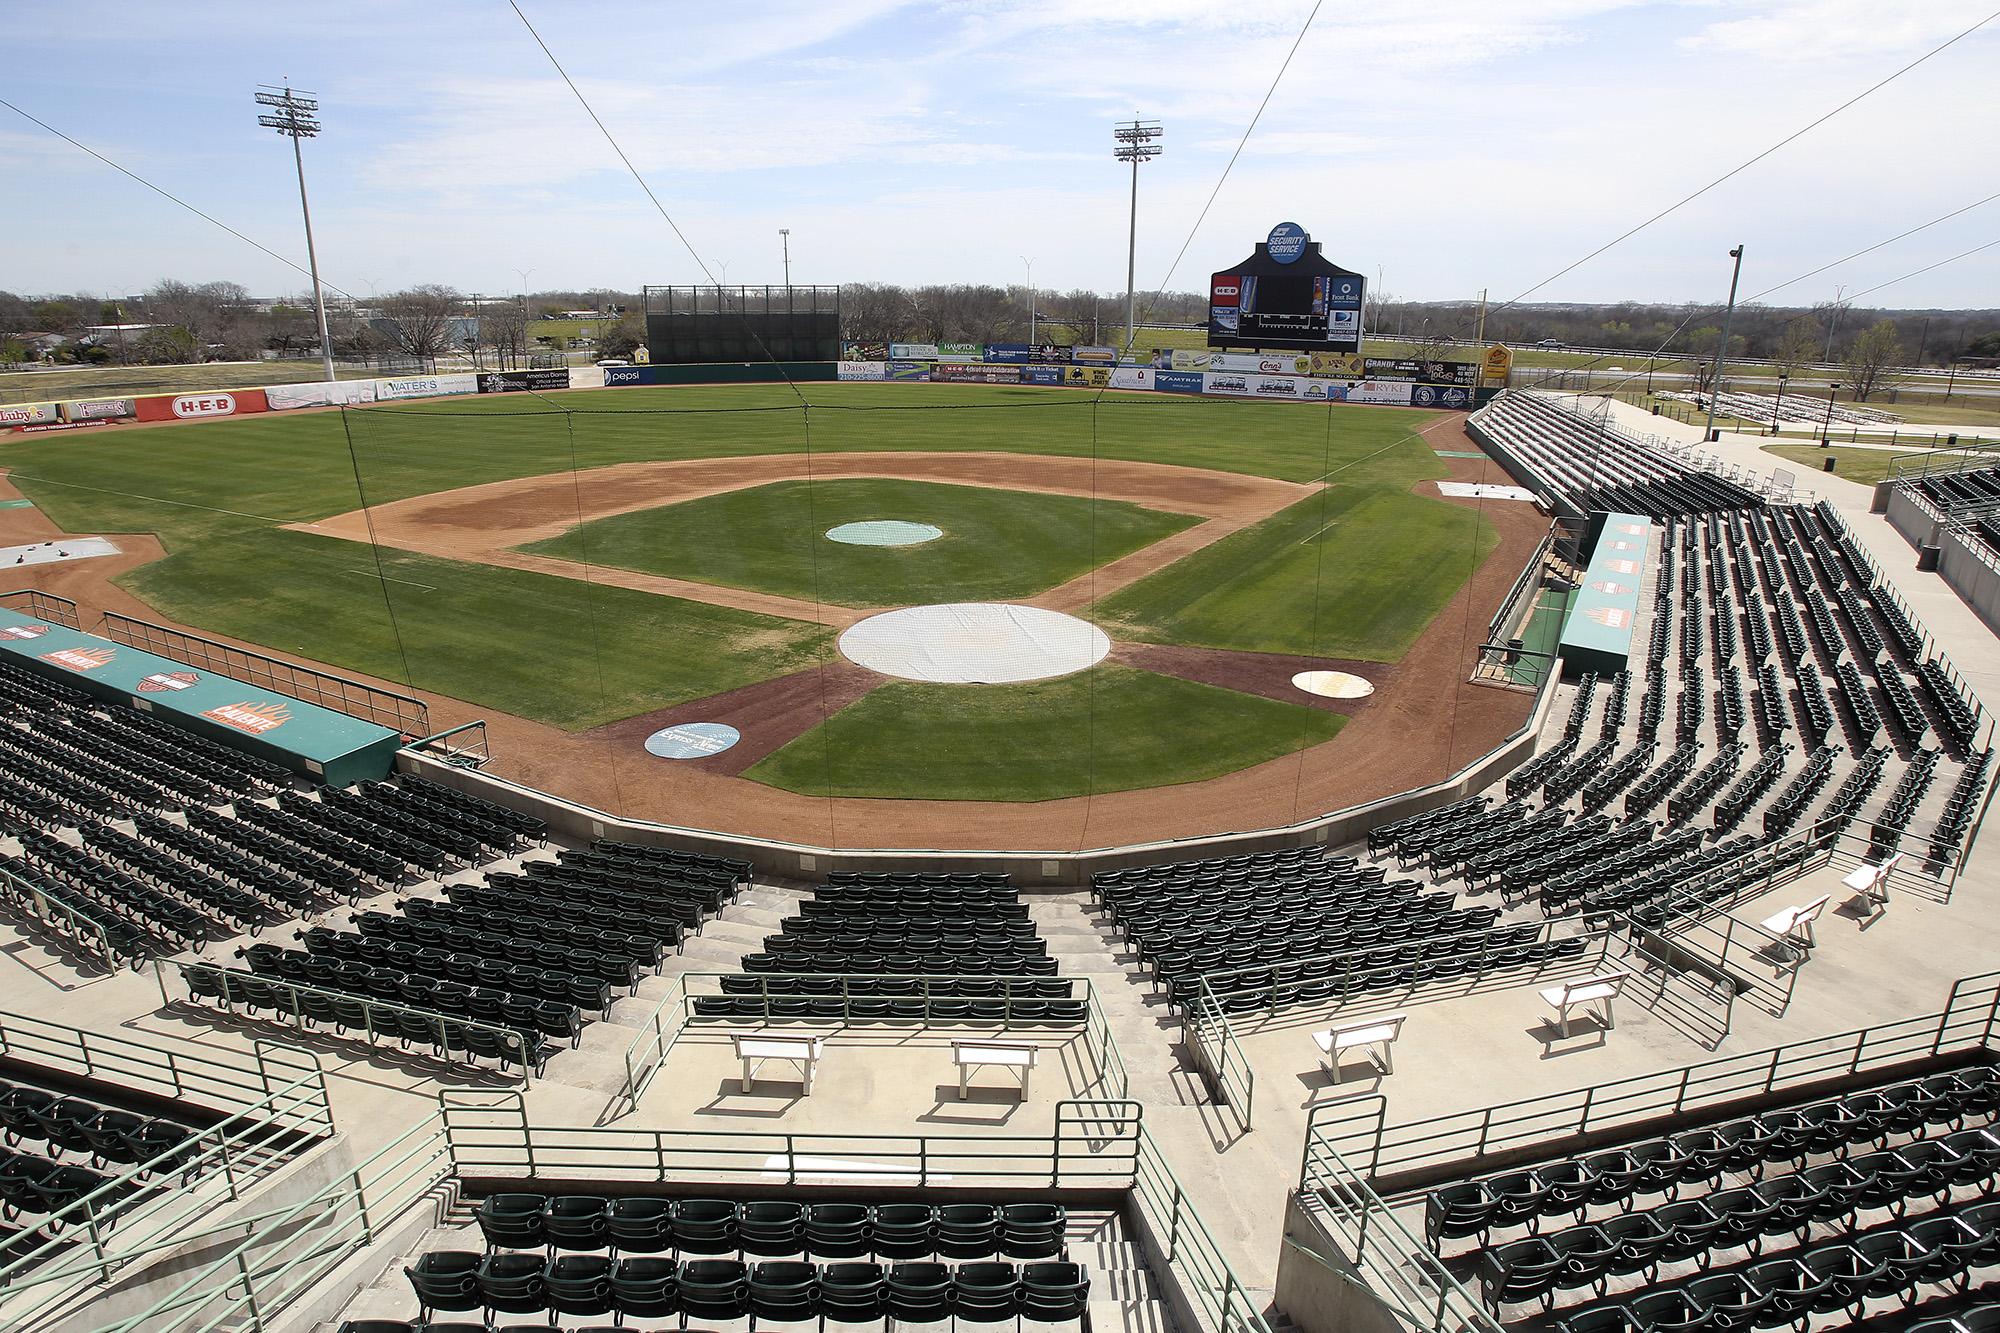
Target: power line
(1746, 164)
(1927, 268)
(168, 195)
(661, 208)
(1877, 246)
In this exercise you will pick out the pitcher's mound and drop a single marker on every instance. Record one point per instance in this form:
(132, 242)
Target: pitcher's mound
(974, 643)
(1333, 684)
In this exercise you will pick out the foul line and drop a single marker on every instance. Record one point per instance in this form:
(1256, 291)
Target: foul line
(151, 499)
(371, 574)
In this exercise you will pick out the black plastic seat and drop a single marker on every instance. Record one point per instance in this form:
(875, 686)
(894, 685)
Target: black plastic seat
(717, 1289)
(904, 1230)
(838, 1231)
(1032, 1230)
(512, 1221)
(577, 1222)
(578, 1284)
(784, 1291)
(646, 1288)
(771, 1227)
(1054, 1292)
(986, 1292)
(512, 1284)
(919, 1293)
(445, 1280)
(852, 1293)
(704, 1226)
(968, 1230)
(639, 1225)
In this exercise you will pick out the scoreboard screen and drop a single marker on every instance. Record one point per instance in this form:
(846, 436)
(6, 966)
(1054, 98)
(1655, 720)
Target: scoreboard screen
(1308, 311)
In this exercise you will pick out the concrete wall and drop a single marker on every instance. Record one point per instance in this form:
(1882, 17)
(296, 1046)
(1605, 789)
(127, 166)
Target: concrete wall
(1909, 515)
(1967, 566)
(1317, 1288)
(1054, 869)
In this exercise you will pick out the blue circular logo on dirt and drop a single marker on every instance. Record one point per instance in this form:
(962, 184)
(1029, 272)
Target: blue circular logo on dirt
(692, 740)
(1286, 242)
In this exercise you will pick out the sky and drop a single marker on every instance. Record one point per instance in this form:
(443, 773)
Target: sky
(1440, 146)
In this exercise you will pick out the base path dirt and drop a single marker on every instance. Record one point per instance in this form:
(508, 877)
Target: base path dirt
(1425, 720)
(485, 524)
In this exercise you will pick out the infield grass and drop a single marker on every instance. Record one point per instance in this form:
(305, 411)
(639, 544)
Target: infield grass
(1101, 730)
(996, 543)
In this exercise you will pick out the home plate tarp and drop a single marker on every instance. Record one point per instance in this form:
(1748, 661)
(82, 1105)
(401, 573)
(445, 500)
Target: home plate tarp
(301, 736)
(974, 643)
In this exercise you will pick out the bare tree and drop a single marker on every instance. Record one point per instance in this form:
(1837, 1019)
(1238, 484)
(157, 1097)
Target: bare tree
(1870, 356)
(1798, 345)
(504, 324)
(420, 319)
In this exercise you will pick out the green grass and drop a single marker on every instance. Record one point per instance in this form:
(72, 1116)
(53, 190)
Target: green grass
(125, 381)
(572, 654)
(996, 544)
(1864, 467)
(1097, 731)
(1357, 572)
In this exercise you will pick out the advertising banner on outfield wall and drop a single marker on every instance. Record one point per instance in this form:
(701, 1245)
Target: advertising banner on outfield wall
(1337, 365)
(197, 406)
(588, 377)
(1094, 356)
(1395, 392)
(864, 351)
(99, 409)
(519, 381)
(283, 397)
(1455, 396)
(1132, 377)
(1269, 363)
(27, 414)
(908, 370)
(426, 386)
(961, 352)
(1177, 381)
(860, 370)
(1182, 358)
(621, 377)
(979, 372)
(913, 351)
(1007, 352)
(1041, 374)
(1095, 377)
(1051, 354)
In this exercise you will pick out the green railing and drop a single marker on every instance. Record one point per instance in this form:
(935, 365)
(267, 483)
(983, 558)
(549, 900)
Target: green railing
(471, 752)
(1192, 1256)
(307, 1005)
(1231, 1080)
(271, 1258)
(834, 999)
(152, 1204)
(1397, 1267)
(490, 1134)
(66, 918)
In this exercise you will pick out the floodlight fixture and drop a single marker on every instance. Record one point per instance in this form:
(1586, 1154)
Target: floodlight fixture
(295, 115)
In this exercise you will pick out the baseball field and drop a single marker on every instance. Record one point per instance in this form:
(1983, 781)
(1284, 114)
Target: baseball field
(596, 565)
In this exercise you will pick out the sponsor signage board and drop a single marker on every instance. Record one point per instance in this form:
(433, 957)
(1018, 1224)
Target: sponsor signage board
(1007, 352)
(1094, 356)
(1132, 377)
(908, 370)
(961, 351)
(282, 397)
(1287, 243)
(27, 414)
(1497, 367)
(1177, 381)
(1095, 377)
(520, 381)
(859, 370)
(200, 406)
(1440, 395)
(975, 372)
(621, 377)
(99, 409)
(1042, 374)
(864, 351)
(1050, 354)
(1396, 392)
(913, 351)
(426, 386)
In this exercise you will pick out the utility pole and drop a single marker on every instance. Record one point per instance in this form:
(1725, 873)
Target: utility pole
(785, 239)
(1833, 323)
(296, 116)
(1135, 145)
(1715, 379)
(1482, 324)
(1031, 297)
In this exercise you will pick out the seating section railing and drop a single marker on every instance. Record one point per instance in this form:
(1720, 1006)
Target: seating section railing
(1231, 1079)
(43, 606)
(1394, 1157)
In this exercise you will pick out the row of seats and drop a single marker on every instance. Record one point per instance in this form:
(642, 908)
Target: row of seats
(77, 1124)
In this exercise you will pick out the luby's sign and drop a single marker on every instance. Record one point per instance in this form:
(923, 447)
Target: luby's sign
(202, 406)
(253, 718)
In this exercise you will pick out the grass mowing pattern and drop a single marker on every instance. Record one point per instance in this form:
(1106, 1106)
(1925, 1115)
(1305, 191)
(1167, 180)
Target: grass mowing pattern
(1031, 742)
(1391, 562)
(572, 654)
(996, 544)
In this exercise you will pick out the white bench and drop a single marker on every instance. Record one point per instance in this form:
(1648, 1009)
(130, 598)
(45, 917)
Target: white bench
(1794, 925)
(1379, 1031)
(1017, 1056)
(754, 1048)
(1584, 992)
(1870, 884)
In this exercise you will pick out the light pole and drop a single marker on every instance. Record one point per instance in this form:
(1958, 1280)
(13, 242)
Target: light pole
(1722, 346)
(1826, 428)
(1782, 377)
(1135, 145)
(296, 116)
(1031, 297)
(785, 239)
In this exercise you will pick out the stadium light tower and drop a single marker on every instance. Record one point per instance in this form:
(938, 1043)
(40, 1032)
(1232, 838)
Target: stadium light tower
(785, 239)
(1722, 348)
(1135, 145)
(296, 116)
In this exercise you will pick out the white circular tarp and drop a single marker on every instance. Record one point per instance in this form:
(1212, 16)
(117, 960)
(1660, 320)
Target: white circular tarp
(974, 643)
(1333, 684)
(885, 532)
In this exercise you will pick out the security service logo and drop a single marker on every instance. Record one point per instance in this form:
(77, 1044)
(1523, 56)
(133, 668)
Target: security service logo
(162, 681)
(253, 718)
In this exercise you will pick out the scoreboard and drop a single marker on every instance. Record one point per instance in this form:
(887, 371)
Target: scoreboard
(1286, 296)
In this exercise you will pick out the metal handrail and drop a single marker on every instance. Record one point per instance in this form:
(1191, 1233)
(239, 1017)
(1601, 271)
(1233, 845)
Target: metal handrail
(1191, 1252)
(1229, 1073)
(46, 606)
(224, 1080)
(442, 1024)
(669, 1019)
(478, 749)
(1967, 1023)
(48, 905)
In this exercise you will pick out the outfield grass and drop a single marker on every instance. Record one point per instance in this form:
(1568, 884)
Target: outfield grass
(996, 545)
(1097, 731)
(1354, 572)
(34, 386)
